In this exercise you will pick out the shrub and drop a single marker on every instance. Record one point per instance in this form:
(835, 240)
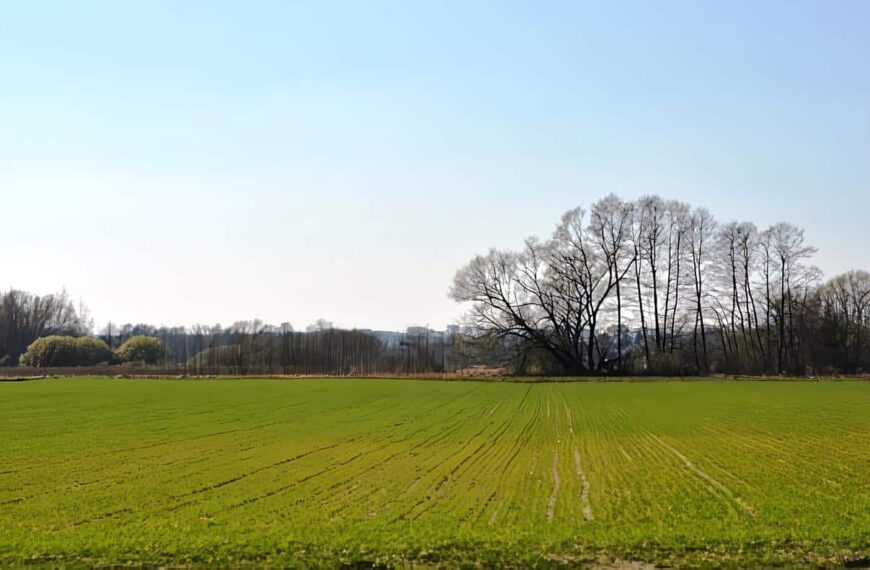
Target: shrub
(92, 351)
(144, 349)
(66, 351)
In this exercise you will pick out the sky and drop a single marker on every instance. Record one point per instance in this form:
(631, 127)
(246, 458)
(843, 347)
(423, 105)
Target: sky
(207, 162)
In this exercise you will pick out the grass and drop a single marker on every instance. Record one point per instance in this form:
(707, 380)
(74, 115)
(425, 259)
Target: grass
(322, 472)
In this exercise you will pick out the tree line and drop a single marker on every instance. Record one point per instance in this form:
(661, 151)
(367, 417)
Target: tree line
(657, 286)
(648, 286)
(51, 331)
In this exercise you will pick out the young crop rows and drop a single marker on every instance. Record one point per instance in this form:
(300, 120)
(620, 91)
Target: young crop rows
(386, 471)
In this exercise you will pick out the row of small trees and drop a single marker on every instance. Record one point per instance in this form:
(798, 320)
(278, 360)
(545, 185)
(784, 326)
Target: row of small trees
(59, 350)
(658, 286)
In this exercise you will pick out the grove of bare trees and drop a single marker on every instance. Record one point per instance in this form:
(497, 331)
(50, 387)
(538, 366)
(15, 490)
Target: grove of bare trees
(656, 286)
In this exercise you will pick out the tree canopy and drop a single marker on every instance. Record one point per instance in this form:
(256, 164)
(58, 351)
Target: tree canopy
(142, 349)
(57, 350)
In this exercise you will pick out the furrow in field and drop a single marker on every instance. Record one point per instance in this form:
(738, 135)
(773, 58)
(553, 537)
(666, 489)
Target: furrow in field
(807, 449)
(380, 464)
(276, 491)
(490, 443)
(510, 454)
(787, 457)
(356, 476)
(373, 435)
(481, 468)
(486, 504)
(332, 492)
(333, 469)
(513, 452)
(467, 461)
(173, 442)
(442, 480)
(721, 465)
(108, 515)
(241, 476)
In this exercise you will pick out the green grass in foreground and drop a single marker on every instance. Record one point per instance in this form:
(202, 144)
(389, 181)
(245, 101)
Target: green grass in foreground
(321, 472)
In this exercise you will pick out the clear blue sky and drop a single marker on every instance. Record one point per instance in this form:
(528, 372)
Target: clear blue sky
(181, 162)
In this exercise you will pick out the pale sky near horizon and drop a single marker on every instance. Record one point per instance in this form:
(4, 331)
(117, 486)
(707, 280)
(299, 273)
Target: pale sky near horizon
(203, 162)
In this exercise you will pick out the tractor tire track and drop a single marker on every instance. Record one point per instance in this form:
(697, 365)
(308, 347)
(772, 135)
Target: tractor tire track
(736, 499)
(557, 483)
(584, 490)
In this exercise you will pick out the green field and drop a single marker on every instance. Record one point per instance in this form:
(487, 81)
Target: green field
(317, 472)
